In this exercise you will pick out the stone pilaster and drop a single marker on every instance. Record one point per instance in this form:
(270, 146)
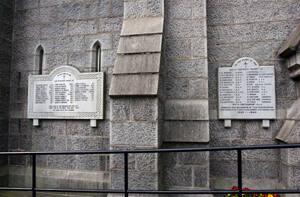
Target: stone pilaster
(135, 103)
(290, 132)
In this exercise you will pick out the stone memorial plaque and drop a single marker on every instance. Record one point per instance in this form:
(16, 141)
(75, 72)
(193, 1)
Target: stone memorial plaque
(247, 91)
(66, 94)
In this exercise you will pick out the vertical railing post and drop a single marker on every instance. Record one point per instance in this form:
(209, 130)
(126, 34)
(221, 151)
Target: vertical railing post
(33, 185)
(240, 171)
(126, 174)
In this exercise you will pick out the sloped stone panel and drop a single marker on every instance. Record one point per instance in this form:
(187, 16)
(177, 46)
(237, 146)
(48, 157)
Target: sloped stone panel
(291, 44)
(134, 85)
(140, 44)
(140, 26)
(137, 63)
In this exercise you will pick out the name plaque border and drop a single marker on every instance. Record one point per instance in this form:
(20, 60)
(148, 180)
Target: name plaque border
(99, 76)
(252, 63)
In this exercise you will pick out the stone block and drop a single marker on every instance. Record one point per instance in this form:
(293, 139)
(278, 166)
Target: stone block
(140, 26)
(224, 52)
(117, 8)
(260, 169)
(144, 109)
(186, 110)
(179, 28)
(69, 44)
(146, 84)
(82, 27)
(193, 158)
(176, 88)
(143, 8)
(147, 162)
(108, 25)
(230, 33)
(178, 176)
(137, 63)
(201, 176)
(199, 47)
(187, 68)
(92, 9)
(223, 168)
(120, 109)
(140, 44)
(186, 131)
(54, 30)
(137, 180)
(178, 9)
(134, 134)
(198, 88)
(178, 48)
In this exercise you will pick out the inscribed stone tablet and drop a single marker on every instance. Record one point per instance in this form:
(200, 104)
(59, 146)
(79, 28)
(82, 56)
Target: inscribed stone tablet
(247, 91)
(66, 94)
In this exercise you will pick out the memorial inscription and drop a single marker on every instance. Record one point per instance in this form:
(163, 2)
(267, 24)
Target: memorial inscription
(66, 94)
(247, 91)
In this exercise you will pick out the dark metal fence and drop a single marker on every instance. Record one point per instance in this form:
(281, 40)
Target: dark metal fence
(126, 191)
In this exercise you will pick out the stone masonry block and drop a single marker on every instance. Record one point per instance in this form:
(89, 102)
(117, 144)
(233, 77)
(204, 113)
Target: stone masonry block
(198, 88)
(143, 8)
(140, 44)
(186, 110)
(146, 84)
(186, 28)
(176, 88)
(134, 134)
(178, 9)
(82, 27)
(137, 63)
(187, 68)
(193, 158)
(178, 48)
(120, 109)
(139, 26)
(144, 109)
(201, 176)
(178, 176)
(186, 131)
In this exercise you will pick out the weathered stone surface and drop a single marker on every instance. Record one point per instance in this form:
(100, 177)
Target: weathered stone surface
(186, 110)
(286, 130)
(137, 63)
(134, 134)
(143, 8)
(186, 131)
(139, 26)
(140, 44)
(290, 45)
(134, 85)
(179, 176)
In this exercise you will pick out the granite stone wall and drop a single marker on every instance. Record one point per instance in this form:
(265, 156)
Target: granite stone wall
(185, 82)
(6, 17)
(254, 29)
(67, 30)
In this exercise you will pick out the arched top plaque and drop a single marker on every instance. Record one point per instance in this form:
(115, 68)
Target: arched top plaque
(66, 94)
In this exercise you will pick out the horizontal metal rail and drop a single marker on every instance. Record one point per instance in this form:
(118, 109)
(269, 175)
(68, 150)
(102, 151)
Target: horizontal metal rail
(126, 191)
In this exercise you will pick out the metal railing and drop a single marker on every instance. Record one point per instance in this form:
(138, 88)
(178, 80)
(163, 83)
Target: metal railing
(126, 191)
